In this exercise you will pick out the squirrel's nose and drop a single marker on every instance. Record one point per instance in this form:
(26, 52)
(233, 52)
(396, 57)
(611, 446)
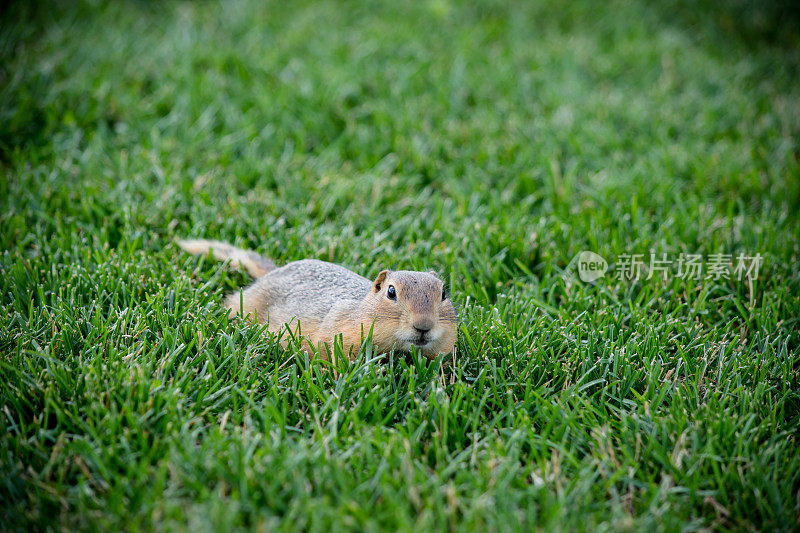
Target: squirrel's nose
(424, 325)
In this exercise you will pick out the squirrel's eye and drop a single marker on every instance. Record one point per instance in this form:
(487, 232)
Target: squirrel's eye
(444, 296)
(391, 293)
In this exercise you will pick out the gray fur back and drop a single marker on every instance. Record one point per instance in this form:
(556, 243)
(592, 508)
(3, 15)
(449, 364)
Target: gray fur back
(311, 286)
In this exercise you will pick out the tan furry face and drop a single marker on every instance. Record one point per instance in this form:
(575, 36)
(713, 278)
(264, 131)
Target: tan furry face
(412, 310)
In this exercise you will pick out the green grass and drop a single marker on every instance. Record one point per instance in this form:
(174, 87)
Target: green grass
(492, 143)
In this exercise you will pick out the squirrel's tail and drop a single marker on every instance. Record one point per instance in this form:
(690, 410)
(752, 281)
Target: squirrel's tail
(255, 265)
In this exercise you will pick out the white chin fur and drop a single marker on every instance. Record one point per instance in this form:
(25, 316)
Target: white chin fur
(406, 344)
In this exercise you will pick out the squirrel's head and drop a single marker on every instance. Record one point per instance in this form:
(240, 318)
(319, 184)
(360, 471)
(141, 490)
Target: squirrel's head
(412, 309)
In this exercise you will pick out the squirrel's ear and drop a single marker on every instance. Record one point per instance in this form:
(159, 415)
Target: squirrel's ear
(376, 286)
(433, 273)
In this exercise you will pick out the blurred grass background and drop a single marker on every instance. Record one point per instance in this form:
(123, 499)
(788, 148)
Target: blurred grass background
(491, 141)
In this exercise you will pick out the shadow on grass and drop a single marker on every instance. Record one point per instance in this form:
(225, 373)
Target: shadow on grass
(751, 24)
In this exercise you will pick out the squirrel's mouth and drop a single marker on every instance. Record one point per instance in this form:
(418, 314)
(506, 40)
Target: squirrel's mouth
(421, 341)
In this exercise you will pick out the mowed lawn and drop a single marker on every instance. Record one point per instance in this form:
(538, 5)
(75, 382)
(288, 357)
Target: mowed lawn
(491, 142)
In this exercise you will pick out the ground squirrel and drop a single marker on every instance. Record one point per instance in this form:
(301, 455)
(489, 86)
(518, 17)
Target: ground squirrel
(402, 308)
